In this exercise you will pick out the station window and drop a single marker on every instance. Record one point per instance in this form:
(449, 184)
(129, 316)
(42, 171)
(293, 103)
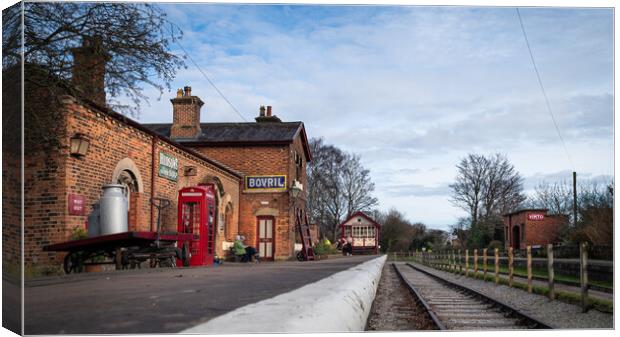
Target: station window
(298, 165)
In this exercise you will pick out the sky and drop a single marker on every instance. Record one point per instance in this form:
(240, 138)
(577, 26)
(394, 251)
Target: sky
(412, 89)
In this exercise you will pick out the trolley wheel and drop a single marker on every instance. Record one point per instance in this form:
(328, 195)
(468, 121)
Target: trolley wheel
(300, 256)
(72, 263)
(185, 255)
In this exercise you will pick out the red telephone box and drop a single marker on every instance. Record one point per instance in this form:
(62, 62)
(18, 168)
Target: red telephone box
(196, 215)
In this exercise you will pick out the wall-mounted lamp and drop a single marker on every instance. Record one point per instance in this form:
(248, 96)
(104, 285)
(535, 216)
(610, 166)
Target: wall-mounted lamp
(189, 171)
(79, 145)
(295, 190)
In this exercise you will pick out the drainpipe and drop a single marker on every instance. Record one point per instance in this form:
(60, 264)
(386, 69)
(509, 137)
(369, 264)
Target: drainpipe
(153, 172)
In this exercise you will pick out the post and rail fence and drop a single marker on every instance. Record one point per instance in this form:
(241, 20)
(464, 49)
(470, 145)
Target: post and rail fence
(460, 261)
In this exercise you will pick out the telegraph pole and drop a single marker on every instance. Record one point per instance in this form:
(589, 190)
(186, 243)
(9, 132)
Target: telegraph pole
(574, 199)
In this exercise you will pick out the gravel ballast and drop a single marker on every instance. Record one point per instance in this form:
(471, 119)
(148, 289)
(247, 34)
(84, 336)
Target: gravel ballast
(557, 314)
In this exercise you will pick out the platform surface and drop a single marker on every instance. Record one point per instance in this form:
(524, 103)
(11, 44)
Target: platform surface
(163, 300)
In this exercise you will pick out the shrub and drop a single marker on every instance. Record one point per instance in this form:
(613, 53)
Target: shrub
(78, 232)
(324, 247)
(495, 244)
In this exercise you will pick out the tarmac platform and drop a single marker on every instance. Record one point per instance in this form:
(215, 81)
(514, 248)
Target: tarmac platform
(171, 300)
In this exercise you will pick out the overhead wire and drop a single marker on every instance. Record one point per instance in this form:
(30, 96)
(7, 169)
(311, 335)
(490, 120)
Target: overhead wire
(209, 79)
(542, 88)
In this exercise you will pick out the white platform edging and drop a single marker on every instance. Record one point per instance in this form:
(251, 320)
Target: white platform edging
(338, 303)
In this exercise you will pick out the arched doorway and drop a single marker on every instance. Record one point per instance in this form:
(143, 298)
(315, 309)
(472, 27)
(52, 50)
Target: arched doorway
(127, 174)
(516, 237)
(228, 214)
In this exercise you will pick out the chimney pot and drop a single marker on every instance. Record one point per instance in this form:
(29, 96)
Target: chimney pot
(269, 111)
(179, 93)
(262, 111)
(88, 72)
(188, 91)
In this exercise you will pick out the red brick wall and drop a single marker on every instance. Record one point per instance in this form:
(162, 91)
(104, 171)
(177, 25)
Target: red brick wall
(52, 180)
(265, 160)
(541, 232)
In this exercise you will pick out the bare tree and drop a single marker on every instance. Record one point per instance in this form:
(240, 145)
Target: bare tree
(135, 38)
(468, 189)
(338, 186)
(399, 234)
(557, 197)
(357, 186)
(325, 204)
(487, 187)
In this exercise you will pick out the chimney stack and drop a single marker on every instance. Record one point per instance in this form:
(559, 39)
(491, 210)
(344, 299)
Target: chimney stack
(267, 117)
(88, 72)
(185, 115)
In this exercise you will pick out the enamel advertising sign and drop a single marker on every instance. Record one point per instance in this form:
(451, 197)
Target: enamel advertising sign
(259, 183)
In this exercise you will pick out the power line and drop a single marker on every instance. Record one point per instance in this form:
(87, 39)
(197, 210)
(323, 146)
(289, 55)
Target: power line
(209, 80)
(542, 88)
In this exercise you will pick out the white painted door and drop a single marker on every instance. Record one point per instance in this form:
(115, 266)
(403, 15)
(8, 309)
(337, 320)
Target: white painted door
(265, 238)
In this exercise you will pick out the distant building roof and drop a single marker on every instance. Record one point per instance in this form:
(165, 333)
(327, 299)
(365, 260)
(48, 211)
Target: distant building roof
(213, 134)
(526, 210)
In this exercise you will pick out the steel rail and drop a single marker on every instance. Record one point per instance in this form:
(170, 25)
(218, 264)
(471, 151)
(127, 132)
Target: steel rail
(420, 300)
(523, 318)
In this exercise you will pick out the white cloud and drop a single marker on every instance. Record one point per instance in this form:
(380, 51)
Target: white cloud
(412, 88)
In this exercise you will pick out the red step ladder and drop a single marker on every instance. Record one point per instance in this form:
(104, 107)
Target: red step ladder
(306, 239)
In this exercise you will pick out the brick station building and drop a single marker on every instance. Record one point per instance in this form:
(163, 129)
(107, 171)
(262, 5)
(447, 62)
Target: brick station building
(272, 156)
(252, 167)
(532, 227)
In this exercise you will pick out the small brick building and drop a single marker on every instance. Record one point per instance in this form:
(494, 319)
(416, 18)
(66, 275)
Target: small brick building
(532, 227)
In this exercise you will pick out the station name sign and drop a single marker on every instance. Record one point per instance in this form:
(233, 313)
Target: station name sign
(257, 183)
(536, 216)
(168, 166)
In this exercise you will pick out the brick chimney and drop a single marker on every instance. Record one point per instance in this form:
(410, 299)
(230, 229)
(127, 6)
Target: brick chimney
(88, 72)
(267, 117)
(185, 115)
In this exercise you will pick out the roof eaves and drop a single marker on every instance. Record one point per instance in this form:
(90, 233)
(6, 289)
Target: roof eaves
(144, 129)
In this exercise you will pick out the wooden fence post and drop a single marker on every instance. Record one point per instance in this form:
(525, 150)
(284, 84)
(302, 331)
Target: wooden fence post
(453, 261)
(583, 268)
(484, 263)
(550, 274)
(496, 252)
(510, 267)
(466, 262)
(460, 267)
(475, 263)
(529, 269)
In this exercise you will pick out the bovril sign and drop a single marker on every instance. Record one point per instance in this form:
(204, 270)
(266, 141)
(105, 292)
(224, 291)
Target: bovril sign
(536, 217)
(257, 183)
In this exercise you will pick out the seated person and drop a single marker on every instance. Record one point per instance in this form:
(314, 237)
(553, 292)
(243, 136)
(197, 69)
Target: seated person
(246, 252)
(238, 248)
(249, 252)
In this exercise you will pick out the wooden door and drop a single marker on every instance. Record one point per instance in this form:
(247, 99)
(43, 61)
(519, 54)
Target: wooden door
(265, 242)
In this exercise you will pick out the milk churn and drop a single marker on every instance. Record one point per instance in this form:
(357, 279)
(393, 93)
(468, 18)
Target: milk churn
(113, 209)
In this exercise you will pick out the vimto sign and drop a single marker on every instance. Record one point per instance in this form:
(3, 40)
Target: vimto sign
(536, 216)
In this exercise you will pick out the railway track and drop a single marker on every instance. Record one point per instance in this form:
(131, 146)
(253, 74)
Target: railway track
(454, 307)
